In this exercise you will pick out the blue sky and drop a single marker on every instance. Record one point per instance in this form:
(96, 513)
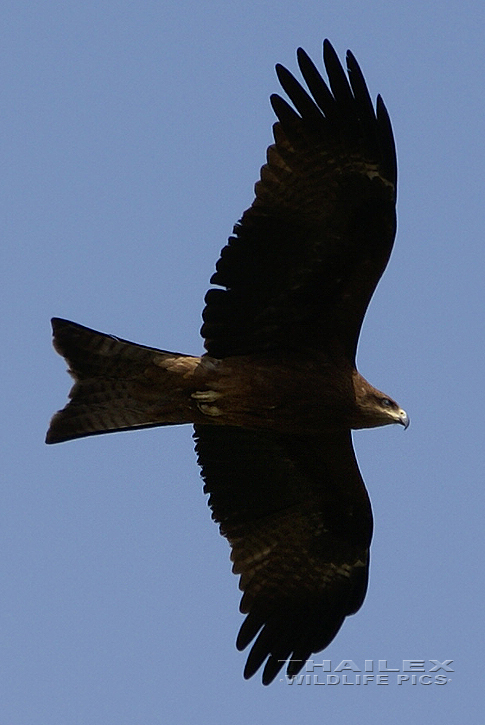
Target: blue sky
(132, 135)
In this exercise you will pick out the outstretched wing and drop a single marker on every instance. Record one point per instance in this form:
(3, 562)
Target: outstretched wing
(297, 516)
(307, 255)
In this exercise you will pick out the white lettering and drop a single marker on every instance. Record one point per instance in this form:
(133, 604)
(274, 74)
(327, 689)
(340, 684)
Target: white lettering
(413, 665)
(384, 668)
(441, 666)
(347, 665)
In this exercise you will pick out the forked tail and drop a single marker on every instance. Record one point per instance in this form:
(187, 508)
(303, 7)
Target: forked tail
(119, 385)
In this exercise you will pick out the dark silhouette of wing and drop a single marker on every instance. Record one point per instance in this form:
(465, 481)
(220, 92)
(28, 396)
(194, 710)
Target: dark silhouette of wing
(297, 516)
(307, 255)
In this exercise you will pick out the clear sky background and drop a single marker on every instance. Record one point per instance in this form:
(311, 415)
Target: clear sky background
(132, 134)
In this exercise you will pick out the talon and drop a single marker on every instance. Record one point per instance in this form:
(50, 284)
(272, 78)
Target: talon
(207, 396)
(209, 409)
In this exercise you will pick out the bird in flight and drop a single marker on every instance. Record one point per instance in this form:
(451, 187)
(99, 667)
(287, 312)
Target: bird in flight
(275, 396)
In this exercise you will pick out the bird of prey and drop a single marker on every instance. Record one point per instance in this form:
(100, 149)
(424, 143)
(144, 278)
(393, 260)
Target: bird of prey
(276, 394)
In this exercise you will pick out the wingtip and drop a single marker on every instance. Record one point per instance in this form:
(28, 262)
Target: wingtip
(329, 52)
(351, 60)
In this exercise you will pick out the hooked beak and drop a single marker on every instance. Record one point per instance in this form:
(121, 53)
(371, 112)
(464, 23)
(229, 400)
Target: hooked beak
(404, 419)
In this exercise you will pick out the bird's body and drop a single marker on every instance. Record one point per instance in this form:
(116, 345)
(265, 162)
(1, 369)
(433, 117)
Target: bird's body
(275, 396)
(310, 393)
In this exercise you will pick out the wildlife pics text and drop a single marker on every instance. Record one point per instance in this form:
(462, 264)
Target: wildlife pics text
(347, 672)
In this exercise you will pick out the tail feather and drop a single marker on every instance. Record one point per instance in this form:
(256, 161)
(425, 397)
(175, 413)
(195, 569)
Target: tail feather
(118, 385)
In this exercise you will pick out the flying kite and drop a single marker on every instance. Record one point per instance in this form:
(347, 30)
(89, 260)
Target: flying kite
(276, 394)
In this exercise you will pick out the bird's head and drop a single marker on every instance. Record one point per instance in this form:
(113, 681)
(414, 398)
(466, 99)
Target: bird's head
(376, 408)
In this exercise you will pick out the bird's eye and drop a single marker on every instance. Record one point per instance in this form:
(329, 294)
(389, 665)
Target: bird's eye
(386, 403)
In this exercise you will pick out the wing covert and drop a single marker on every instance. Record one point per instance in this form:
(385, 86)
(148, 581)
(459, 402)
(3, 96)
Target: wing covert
(305, 258)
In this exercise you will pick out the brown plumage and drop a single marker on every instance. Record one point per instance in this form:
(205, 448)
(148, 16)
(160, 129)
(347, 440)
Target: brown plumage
(276, 395)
